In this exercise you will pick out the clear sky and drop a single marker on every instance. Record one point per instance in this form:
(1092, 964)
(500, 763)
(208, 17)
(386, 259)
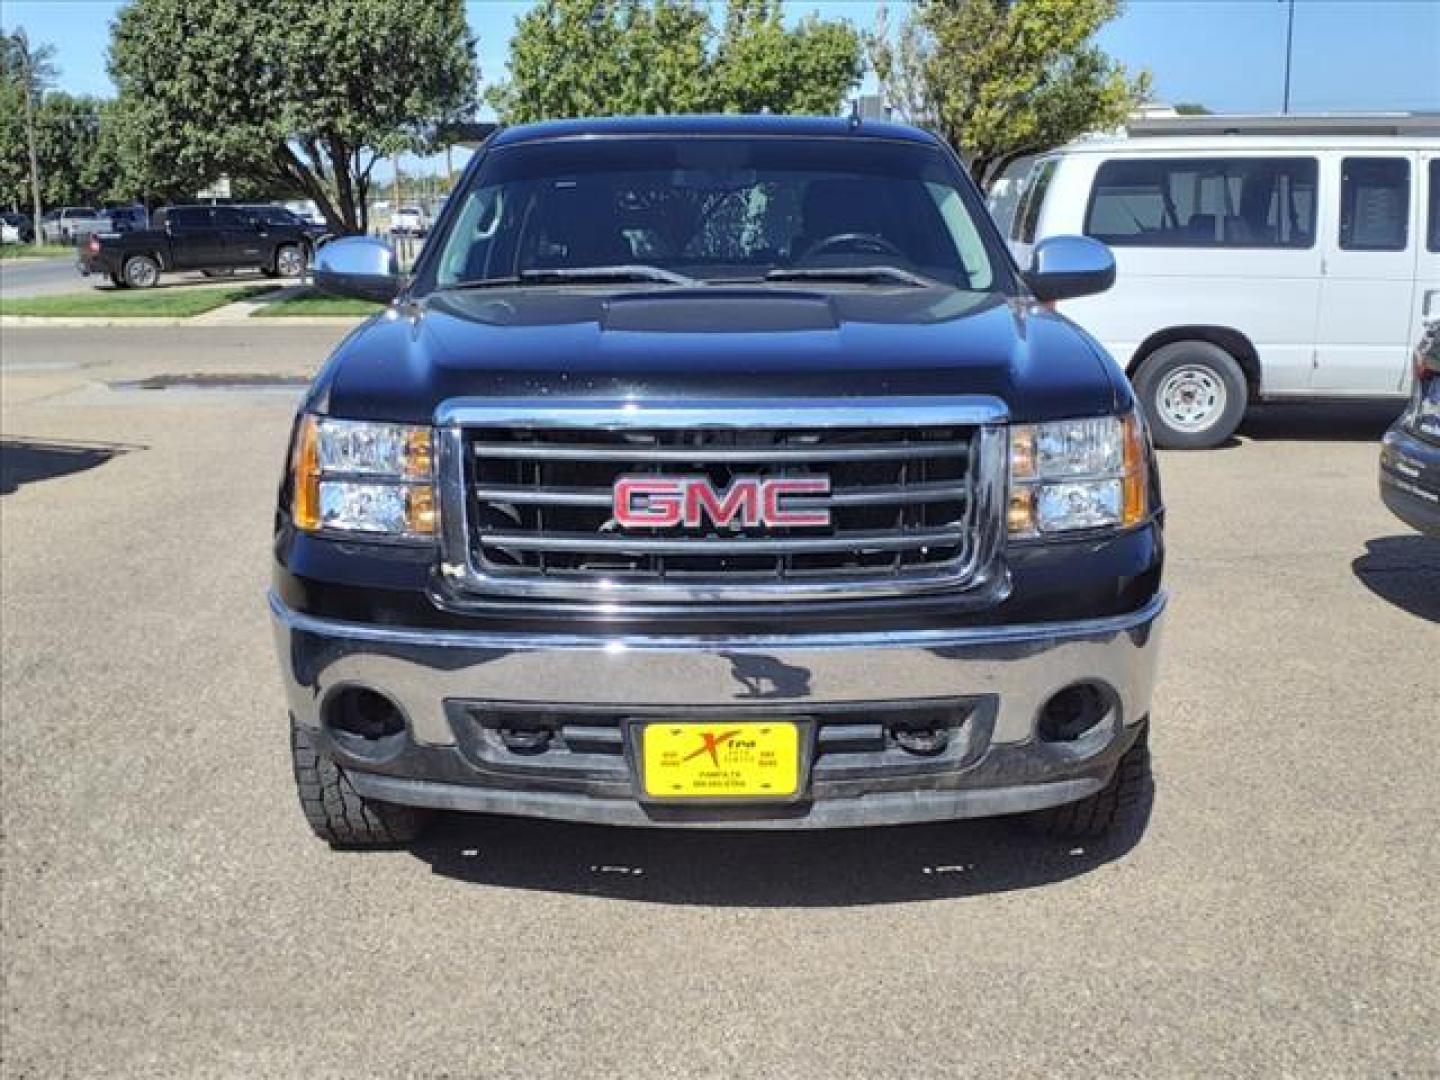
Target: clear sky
(1226, 54)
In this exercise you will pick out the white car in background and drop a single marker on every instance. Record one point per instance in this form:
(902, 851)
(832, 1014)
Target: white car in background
(9, 234)
(410, 221)
(1257, 258)
(66, 224)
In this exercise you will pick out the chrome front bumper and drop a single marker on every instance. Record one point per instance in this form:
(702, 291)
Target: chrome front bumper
(1014, 669)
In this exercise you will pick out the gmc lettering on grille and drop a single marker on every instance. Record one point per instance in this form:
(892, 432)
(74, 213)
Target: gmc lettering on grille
(659, 502)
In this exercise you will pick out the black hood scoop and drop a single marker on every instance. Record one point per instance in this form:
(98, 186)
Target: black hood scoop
(757, 311)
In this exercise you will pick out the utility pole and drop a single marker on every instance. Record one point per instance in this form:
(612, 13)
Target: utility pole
(1289, 45)
(27, 72)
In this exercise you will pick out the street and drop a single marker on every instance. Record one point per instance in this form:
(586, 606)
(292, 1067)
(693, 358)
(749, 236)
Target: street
(39, 277)
(166, 911)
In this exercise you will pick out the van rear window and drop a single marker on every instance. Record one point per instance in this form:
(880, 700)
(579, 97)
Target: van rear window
(1204, 202)
(1374, 204)
(1432, 242)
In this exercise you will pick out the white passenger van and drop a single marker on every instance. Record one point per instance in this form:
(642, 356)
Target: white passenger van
(1258, 258)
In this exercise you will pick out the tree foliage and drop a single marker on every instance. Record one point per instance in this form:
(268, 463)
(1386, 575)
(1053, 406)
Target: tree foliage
(1000, 79)
(29, 69)
(14, 164)
(302, 95)
(571, 58)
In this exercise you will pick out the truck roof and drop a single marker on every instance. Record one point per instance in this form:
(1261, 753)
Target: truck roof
(711, 125)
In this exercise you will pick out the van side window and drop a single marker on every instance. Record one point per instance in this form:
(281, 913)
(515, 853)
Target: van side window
(1432, 242)
(1374, 204)
(1027, 214)
(1204, 202)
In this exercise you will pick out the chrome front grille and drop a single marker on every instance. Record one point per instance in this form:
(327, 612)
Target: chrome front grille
(914, 499)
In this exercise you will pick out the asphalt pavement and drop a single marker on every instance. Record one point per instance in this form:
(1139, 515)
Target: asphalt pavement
(39, 277)
(166, 912)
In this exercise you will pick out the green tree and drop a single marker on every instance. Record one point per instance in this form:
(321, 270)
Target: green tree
(14, 162)
(572, 58)
(1000, 79)
(303, 95)
(598, 57)
(32, 68)
(67, 144)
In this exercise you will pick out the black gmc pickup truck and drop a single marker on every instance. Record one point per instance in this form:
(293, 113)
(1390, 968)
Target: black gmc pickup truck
(717, 472)
(215, 239)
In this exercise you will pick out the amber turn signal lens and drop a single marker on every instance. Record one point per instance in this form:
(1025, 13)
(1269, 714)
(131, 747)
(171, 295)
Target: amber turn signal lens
(419, 458)
(424, 514)
(1136, 474)
(1020, 517)
(1022, 452)
(305, 476)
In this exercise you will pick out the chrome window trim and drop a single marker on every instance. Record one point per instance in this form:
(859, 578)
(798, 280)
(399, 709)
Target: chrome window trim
(984, 513)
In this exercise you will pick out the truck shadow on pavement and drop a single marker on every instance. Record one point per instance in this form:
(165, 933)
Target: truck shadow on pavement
(28, 461)
(1405, 571)
(826, 868)
(1319, 422)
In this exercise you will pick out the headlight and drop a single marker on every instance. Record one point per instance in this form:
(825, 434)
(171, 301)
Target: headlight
(360, 477)
(1077, 474)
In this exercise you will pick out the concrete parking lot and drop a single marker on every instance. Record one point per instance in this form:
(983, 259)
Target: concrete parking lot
(166, 912)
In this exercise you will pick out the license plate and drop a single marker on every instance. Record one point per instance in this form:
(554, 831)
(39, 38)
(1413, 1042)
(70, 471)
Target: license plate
(721, 760)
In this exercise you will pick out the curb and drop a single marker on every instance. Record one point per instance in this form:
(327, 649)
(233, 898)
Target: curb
(64, 321)
(76, 322)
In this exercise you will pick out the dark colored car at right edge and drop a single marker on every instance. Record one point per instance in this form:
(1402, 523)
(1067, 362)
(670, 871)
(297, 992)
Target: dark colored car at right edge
(1410, 452)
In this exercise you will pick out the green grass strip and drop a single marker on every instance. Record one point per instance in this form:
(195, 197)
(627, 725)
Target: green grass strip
(171, 302)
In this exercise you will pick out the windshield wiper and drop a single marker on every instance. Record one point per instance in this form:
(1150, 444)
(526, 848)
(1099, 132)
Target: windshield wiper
(850, 273)
(559, 275)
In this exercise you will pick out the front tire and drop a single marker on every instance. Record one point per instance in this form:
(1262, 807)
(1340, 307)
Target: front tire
(1194, 395)
(289, 262)
(337, 813)
(1119, 802)
(141, 272)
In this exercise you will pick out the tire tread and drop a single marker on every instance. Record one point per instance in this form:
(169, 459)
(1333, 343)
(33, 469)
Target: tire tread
(336, 812)
(1122, 798)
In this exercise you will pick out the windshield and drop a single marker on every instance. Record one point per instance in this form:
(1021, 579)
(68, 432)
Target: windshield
(717, 209)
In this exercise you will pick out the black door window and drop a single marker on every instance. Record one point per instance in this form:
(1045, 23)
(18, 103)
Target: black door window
(1374, 204)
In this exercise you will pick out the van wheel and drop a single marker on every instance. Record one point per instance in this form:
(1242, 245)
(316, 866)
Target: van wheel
(141, 271)
(337, 813)
(1193, 393)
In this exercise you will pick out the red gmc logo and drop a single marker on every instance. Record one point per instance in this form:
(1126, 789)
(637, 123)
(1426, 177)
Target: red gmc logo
(659, 502)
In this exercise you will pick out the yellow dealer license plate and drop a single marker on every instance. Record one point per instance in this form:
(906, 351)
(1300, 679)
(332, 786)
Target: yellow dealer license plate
(721, 760)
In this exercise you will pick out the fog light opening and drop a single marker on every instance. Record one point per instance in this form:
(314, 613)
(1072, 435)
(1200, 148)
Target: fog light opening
(364, 715)
(1073, 712)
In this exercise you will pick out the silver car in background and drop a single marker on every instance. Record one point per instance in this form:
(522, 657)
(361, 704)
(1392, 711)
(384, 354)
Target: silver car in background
(67, 224)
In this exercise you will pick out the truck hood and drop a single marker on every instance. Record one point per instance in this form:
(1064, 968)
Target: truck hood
(717, 342)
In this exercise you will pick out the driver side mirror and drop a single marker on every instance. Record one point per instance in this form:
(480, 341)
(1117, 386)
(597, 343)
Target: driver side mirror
(1064, 267)
(360, 267)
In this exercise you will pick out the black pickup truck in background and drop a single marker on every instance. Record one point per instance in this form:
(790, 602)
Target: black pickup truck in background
(213, 239)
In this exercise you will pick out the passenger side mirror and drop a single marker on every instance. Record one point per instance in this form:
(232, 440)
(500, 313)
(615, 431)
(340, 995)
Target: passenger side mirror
(1064, 267)
(360, 267)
